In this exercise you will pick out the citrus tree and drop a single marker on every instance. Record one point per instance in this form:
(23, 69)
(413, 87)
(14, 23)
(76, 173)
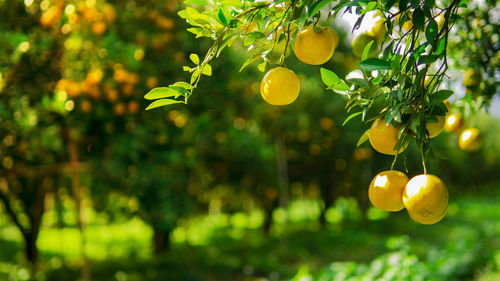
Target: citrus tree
(401, 85)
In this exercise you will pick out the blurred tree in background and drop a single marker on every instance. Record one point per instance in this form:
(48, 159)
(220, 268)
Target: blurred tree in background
(78, 151)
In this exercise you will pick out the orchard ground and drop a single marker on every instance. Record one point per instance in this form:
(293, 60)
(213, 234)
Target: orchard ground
(464, 246)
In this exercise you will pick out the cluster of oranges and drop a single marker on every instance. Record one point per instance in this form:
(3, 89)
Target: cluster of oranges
(280, 85)
(97, 18)
(470, 138)
(425, 196)
(93, 88)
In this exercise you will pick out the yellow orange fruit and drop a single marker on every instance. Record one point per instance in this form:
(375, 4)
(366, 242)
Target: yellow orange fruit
(435, 127)
(86, 106)
(133, 107)
(119, 109)
(383, 137)
(280, 86)
(378, 30)
(426, 199)
(359, 43)
(386, 190)
(472, 78)
(470, 139)
(454, 123)
(313, 47)
(98, 28)
(50, 16)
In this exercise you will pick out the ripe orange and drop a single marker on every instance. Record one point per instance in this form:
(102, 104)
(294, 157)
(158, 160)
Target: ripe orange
(435, 127)
(426, 199)
(454, 123)
(313, 47)
(98, 28)
(119, 109)
(50, 16)
(280, 86)
(133, 107)
(359, 43)
(383, 137)
(472, 78)
(470, 139)
(86, 106)
(378, 30)
(386, 190)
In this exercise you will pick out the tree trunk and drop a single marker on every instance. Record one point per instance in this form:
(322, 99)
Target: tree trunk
(76, 188)
(326, 194)
(268, 219)
(161, 240)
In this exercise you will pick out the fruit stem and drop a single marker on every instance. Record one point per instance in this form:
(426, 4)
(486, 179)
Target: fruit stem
(423, 158)
(394, 161)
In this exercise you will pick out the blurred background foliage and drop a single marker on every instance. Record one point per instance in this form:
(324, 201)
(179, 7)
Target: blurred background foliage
(228, 188)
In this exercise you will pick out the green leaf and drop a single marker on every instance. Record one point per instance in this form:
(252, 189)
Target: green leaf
(418, 19)
(222, 17)
(249, 61)
(364, 137)
(162, 102)
(370, 7)
(262, 66)
(351, 117)
(440, 96)
(161, 92)
(441, 46)
(207, 70)
(329, 77)
(186, 68)
(361, 82)
(249, 41)
(317, 6)
(431, 31)
(367, 50)
(181, 84)
(194, 58)
(374, 64)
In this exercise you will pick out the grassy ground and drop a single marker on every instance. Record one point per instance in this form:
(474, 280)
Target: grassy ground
(465, 246)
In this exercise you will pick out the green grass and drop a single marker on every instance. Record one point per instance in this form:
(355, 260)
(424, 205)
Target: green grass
(465, 246)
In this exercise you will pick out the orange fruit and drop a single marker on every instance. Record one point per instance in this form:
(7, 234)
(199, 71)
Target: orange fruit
(280, 86)
(50, 16)
(86, 106)
(383, 137)
(119, 109)
(470, 139)
(359, 43)
(378, 30)
(313, 47)
(386, 190)
(426, 199)
(454, 123)
(133, 107)
(472, 78)
(435, 127)
(98, 28)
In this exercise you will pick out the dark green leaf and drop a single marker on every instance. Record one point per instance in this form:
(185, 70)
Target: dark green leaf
(374, 64)
(431, 31)
(440, 96)
(317, 6)
(351, 117)
(418, 19)
(363, 138)
(222, 18)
